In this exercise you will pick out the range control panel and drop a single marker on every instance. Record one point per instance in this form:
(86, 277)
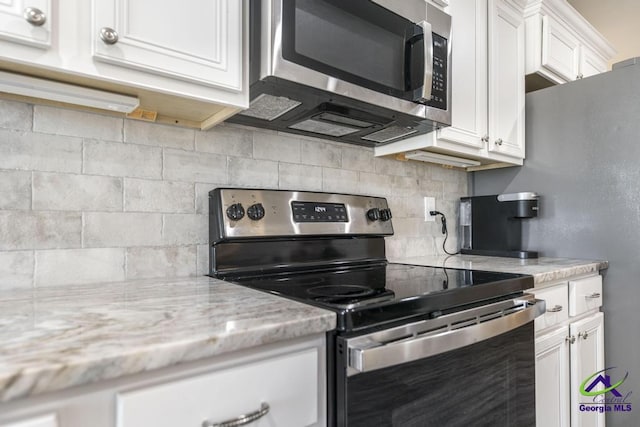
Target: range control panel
(319, 212)
(247, 213)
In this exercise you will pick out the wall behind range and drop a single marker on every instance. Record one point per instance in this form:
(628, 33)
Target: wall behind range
(92, 198)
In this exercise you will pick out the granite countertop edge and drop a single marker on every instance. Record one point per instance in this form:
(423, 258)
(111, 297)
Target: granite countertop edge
(56, 338)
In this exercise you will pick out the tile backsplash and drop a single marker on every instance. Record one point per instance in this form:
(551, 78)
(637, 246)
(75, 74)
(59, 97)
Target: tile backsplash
(92, 198)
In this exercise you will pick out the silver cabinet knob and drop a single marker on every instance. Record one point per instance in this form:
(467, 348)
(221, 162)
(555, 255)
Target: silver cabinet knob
(594, 295)
(485, 138)
(498, 141)
(584, 335)
(108, 35)
(555, 309)
(579, 76)
(570, 339)
(34, 16)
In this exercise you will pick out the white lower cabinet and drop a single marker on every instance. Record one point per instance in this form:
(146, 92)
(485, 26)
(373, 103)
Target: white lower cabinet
(587, 358)
(569, 349)
(290, 378)
(552, 379)
(288, 385)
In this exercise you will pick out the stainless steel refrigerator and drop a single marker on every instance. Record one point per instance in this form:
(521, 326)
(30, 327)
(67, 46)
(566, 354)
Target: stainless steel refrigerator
(583, 158)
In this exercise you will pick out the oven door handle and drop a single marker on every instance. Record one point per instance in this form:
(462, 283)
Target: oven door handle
(370, 355)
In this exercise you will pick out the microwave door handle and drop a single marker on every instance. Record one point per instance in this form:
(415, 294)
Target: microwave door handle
(428, 60)
(368, 358)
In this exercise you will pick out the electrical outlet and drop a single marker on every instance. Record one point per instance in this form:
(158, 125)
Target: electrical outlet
(429, 205)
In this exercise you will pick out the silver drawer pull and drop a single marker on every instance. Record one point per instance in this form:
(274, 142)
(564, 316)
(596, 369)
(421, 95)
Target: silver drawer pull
(242, 419)
(555, 309)
(593, 295)
(584, 335)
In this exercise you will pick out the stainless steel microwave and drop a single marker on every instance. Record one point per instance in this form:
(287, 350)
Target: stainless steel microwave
(367, 72)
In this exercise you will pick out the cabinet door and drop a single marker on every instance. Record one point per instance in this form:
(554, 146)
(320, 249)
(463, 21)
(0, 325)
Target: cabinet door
(591, 63)
(199, 42)
(469, 76)
(552, 379)
(506, 80)
(560, 49)
(587, 358)
(14, 26)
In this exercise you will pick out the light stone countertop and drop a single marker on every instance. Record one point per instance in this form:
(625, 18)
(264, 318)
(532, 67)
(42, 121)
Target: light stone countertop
(544, 270)
(53, 338)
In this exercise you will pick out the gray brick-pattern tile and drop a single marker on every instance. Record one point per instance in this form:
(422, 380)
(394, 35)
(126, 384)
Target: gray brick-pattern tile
(39, 230)
(253, 173)
(226, 140)
(316, 152)
(202, 268)
(185, 229)
(143, 263)
(66, 192)
(138, 132)
(300, 177)
(275, 146)
(59, 121)
(15, 190)
(142, 195)
(16, 269)
(190, 166)
(117, 159)
(120, 196)
(16, 115)
(34, 151)
(77, 266)
(122, 229)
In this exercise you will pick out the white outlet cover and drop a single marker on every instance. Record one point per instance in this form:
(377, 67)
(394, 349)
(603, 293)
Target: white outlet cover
(429, 205)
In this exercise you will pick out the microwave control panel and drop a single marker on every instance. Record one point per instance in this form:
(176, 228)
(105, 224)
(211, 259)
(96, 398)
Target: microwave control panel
(439, 85)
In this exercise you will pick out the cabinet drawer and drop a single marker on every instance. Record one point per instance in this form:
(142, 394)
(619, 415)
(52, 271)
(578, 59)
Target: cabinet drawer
(288, 384)
(584, 295)
(48, 420)
(557, 299)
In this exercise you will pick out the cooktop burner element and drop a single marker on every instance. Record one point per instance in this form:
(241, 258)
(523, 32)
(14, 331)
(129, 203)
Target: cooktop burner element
(341, 291)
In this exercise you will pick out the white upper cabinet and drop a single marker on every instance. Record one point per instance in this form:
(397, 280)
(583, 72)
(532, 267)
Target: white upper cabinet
(26, 21)
(560, 49)
(199, 42)
(561, 45)
(506, 80)
(487, 89)
(186, 63)
(469, 79)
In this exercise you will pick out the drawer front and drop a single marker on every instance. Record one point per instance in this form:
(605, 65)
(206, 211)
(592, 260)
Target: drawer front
(288, 384)
(557, 299)
(42, 421)
(585, 294)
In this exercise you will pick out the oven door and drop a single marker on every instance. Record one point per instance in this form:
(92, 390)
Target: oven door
(473, 367)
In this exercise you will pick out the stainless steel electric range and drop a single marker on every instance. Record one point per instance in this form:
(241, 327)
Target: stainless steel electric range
(414, 345)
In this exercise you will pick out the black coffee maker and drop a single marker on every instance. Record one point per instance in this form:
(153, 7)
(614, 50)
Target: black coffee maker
(492, 225)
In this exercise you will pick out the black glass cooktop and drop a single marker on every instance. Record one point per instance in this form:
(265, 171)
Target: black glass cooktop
(373, 295)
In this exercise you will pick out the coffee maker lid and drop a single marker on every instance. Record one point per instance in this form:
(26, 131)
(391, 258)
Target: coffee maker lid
(512, 197)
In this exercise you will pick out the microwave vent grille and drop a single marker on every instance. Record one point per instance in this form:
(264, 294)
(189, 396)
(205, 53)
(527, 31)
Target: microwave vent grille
(389, 134)
(324, 128)
(269, 107)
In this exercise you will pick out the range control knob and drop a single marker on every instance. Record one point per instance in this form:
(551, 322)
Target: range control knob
(235, 212)
(255, 212)
(373, 214)
(385, 214)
